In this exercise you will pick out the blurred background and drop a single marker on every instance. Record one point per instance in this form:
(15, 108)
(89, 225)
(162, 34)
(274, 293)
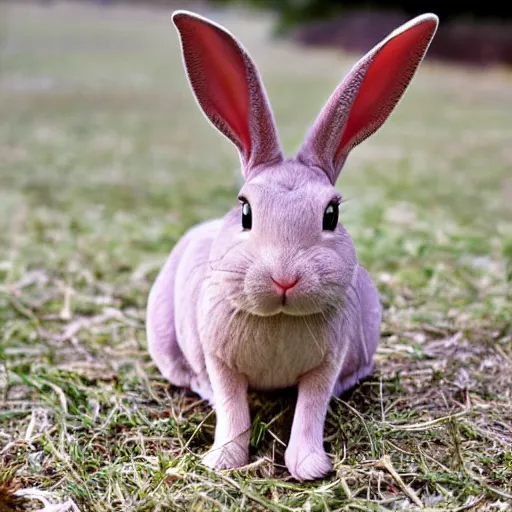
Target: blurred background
(472, 32)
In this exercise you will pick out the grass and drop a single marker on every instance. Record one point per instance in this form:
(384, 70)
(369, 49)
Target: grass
(106, 161)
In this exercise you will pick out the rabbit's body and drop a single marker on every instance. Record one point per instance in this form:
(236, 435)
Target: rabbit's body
(272, 351)
(272, 295)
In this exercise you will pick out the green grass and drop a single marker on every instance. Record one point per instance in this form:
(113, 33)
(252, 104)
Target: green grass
(105, 161)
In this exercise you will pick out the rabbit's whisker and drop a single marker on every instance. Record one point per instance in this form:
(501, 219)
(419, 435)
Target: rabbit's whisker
(317, 343)
(227, 270)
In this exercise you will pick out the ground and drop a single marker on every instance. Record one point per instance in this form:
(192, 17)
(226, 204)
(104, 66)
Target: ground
(106, 161)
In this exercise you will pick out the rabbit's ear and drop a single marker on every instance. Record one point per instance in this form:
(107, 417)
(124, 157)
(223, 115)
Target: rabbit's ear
(228, 88)
(367, 96)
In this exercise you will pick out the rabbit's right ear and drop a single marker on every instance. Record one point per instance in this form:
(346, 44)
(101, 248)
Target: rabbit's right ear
(229, 90)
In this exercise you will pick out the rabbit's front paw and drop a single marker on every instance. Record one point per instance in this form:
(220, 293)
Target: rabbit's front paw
(226, 456)
(307, 464)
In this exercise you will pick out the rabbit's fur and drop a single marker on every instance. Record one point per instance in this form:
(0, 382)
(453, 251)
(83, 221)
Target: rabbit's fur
(284, 302)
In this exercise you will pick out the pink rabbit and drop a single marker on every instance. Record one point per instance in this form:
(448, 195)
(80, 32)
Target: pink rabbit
(272, 295)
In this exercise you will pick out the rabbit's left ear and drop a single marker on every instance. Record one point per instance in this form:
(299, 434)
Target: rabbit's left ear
(367, 96)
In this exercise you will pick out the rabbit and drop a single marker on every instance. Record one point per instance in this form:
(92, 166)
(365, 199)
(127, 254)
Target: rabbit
(272, 295)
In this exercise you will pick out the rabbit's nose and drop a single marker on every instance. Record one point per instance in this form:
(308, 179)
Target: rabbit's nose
(283, 285)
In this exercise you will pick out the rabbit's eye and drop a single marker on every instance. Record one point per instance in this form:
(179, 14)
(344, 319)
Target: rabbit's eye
(246, 215)
(331, 215)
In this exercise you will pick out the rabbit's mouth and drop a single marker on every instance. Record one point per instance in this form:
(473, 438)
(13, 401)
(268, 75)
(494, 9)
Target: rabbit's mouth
(280, 310)
(293, 302)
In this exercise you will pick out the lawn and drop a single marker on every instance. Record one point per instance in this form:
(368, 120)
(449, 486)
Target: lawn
(105, 161)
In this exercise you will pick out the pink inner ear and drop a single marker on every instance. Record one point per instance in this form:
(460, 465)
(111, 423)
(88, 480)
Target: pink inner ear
(384, 83)
(217, 74)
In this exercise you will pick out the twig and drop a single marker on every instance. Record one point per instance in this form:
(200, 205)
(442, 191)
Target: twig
(83, 323)
(427, 424)
(65, 312)
(499, 492)
(382, 412)
(31, 426)
(196, 430)
(472, 504)
(346, 488)
(385, 463)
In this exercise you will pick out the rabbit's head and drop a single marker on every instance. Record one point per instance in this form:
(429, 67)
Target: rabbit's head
(283, 249)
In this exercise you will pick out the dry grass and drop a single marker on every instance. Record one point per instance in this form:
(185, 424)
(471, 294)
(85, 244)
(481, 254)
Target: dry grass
(105, 161)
